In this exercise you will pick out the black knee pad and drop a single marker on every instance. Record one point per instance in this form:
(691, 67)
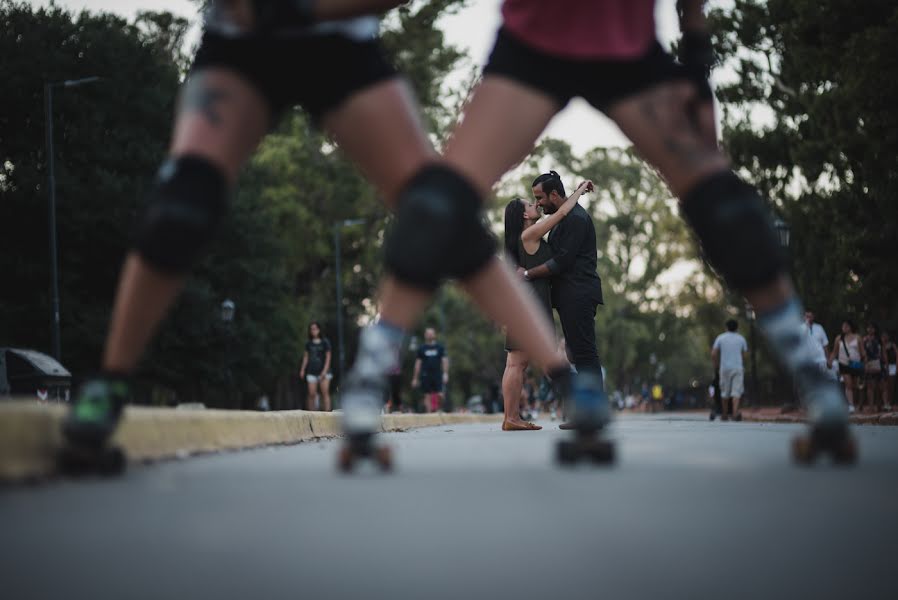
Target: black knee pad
(735, 230)
(438, 232)
(186, 205)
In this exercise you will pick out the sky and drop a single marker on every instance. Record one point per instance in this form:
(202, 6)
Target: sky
(472, 29)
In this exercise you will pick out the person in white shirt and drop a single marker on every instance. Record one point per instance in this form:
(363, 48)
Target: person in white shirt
(727, 353)
(817, 333)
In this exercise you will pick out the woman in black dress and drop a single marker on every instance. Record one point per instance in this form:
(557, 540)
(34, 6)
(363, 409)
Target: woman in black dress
(526, 249)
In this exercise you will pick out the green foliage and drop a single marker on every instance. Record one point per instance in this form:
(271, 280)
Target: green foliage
(828, 156)
(109, 137)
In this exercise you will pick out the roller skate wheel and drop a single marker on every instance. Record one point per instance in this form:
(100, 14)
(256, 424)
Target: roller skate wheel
(845, 453)
(345, 459)
(111, 462)
(567, 452)
(803, 450)
(73, 460)
(384, 457)
(602, 452)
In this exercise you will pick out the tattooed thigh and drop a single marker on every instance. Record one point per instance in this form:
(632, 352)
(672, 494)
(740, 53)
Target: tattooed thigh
(203, 96)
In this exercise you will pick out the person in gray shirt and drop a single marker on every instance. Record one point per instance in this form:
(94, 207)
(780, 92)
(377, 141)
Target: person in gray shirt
(727, 353)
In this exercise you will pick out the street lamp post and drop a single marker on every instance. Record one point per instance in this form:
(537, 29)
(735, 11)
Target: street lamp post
(341, 354)
(750, 315)
(784, 233)
(51, 206)
(228, 308)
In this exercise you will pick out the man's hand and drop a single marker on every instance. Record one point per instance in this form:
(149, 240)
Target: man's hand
(586, 186)
(520, 271)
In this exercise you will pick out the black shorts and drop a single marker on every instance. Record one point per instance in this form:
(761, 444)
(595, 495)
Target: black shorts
(317, 72)
(431, 385)
(600, 82)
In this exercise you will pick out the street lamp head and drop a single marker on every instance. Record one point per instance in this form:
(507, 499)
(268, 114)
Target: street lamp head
(783, 231)
(350, 222)
(82, 81)
(227, 310)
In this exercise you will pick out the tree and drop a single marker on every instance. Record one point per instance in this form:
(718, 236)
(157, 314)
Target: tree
(826, 153)
(109, 137)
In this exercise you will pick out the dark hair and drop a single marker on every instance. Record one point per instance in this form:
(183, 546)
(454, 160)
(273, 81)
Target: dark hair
(850, 324)
(732, 325)
(514, 226)
(551, 182)
(320, 331)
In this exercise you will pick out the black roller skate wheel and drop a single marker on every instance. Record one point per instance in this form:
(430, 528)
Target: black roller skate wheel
(804, 450)
(602, 452)
(384, 458)
(844, 452)
(346, 459)
(111, 461)
(567, 452)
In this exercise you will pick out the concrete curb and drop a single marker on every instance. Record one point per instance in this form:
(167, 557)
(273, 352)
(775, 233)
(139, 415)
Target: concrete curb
(30, 433)
(882, 419)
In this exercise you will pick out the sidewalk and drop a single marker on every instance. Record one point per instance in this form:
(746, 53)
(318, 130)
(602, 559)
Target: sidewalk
(774, 415)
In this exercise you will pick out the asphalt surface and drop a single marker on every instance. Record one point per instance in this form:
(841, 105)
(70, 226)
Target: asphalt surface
(692, 509)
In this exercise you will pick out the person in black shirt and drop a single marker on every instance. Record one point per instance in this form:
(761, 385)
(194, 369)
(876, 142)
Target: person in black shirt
(315, 369)
(431, 370)
(576, 287)
(525, 248)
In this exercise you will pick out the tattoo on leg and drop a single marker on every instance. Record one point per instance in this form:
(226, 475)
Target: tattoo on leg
(679, 136)
(205, 99)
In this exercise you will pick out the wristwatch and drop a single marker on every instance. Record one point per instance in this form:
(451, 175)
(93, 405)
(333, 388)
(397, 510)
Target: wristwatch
(526, 274)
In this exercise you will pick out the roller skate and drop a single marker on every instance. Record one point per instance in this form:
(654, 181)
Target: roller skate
(90, 423)
(828, 431)
(361, 401)
(590, 414)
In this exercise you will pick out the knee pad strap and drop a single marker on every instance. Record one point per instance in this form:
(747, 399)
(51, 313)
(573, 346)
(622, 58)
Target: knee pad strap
(186, 205)
(438, 231)
(735, 230)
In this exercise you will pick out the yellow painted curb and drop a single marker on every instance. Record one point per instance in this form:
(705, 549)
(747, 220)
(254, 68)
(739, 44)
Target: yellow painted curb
(30, 432)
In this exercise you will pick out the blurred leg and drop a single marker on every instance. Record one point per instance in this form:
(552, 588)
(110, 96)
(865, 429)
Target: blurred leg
(221, 118)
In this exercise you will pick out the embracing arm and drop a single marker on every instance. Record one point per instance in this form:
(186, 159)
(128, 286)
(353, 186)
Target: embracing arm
(566, 254)
(541, 228)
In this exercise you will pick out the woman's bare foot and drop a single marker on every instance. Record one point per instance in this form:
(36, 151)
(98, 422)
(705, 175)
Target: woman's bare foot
(517, 425)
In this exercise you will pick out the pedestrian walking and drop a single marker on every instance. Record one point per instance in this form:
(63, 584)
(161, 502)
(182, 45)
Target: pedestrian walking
(818, 336)
(316, 368)
(431, 371)
(848, 351)
(728, 353)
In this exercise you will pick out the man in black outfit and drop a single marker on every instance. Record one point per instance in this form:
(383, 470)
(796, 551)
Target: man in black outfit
(576, 287)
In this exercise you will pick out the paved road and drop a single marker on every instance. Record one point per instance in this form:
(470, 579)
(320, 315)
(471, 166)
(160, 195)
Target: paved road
(692, 510)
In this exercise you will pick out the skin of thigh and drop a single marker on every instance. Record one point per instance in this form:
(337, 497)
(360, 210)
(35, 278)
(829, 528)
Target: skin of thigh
(670, 129)
(380, 130)
(500, 125)
(221, 117)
